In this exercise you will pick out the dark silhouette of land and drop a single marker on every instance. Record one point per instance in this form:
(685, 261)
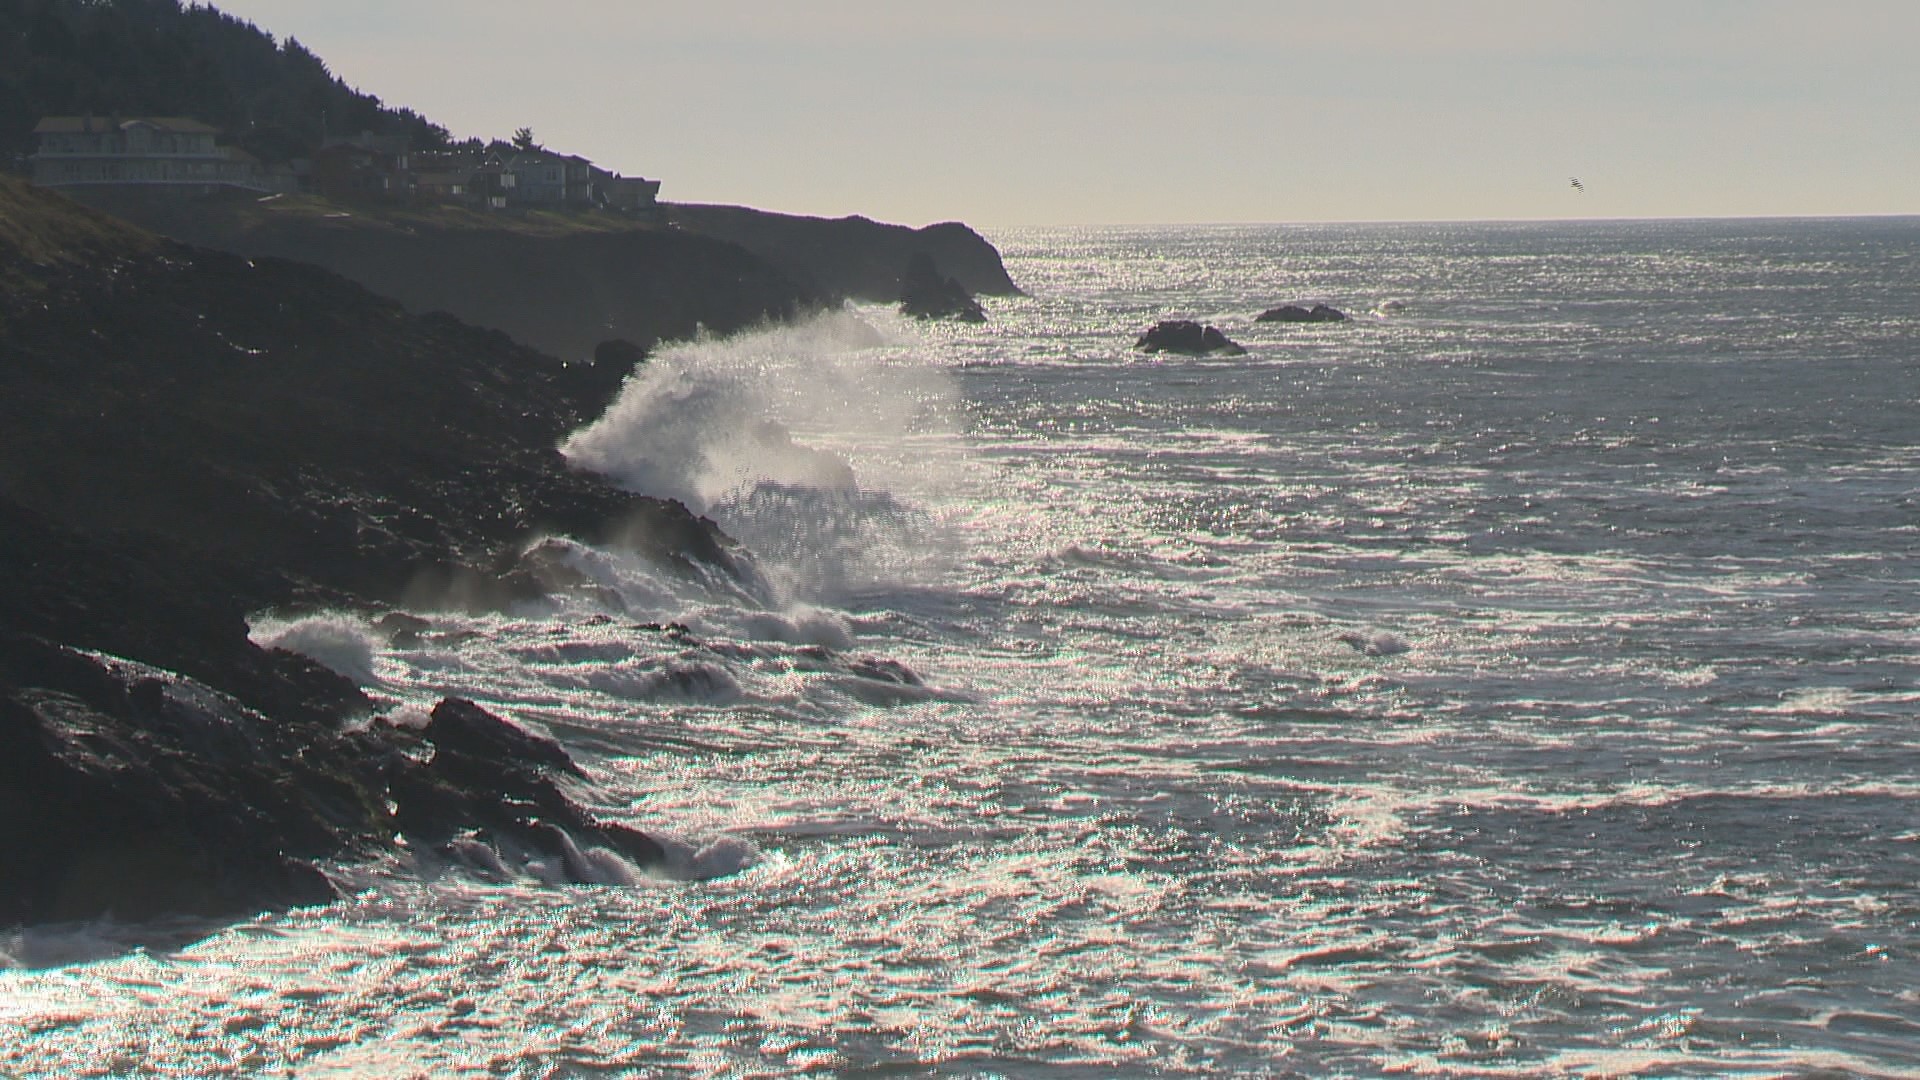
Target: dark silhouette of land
(218, 405)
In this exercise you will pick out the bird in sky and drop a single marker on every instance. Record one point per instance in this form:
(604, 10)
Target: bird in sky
(1577, 185)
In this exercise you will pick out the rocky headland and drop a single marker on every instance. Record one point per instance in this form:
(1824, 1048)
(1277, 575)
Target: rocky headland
(189, 437)
(560, 282)
(852, 257)
(565, 282)
(214, 407)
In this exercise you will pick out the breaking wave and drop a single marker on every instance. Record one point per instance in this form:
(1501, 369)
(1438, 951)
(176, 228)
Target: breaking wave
(795, 440)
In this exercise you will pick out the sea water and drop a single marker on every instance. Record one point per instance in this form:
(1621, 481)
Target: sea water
(1518, 679)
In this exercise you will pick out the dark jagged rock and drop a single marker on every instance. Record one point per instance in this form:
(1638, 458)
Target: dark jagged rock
(402, 630)
(459, 728)
(188, 438)
(1188, 338)
(618, 354)
(925, 294)
(1296, 313)
(852, 256)
(131, 791)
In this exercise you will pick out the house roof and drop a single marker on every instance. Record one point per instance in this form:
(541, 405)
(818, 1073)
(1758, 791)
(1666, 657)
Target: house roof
(100, 125)
(535, 158)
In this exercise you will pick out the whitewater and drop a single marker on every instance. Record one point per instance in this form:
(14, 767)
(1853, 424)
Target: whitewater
(1517, 679)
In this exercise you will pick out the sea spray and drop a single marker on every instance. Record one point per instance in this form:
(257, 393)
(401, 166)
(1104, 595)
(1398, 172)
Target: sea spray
(797, 440)
(341, 643)
(1640, 796)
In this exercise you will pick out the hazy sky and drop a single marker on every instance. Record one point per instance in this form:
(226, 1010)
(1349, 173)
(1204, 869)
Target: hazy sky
(1043, 111)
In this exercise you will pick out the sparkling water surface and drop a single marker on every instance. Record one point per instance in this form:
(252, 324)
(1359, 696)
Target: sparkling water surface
(1519, 679)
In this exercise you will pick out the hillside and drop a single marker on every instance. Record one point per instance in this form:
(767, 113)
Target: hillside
(563, 281)
(158, 58)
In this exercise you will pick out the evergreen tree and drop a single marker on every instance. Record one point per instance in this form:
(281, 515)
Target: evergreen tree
(158, 58)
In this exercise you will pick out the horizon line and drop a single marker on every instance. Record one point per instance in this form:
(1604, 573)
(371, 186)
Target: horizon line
(1624, 219)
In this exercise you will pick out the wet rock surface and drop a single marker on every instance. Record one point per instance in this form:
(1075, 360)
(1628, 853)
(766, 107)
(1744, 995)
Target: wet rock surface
(1294, 313)
(1187, 338)
(188, 438)
(148, 793)
(926, 294)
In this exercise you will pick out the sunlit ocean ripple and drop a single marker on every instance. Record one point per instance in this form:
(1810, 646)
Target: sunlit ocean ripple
(1520, 679)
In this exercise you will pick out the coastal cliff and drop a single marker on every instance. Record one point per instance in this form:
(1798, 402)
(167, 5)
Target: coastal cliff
(560, 282)
(563, 282)
(852, 256)
(190, 437)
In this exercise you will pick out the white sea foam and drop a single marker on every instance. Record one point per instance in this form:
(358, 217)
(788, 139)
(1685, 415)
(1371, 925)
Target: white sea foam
(1377, 643)
(703, 860)
(1647, 748)
(707, 418)
(803, 442)
(342, 643)
(801, 625)
(699, 682)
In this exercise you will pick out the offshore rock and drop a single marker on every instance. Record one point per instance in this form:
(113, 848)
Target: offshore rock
(1188, 338)
(1296, 313)
(925, 294)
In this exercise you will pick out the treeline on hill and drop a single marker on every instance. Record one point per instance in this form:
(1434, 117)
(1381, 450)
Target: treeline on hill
(158, 58)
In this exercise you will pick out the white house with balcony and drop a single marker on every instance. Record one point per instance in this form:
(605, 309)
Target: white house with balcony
(169, 152)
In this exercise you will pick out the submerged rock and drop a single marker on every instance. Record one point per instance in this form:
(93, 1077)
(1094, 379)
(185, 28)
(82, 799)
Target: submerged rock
(925, 294)
(1188, 338)
(1378, 643)
(1296, 313)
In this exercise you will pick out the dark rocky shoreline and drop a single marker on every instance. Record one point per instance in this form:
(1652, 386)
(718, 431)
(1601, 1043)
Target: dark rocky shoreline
(190, 437)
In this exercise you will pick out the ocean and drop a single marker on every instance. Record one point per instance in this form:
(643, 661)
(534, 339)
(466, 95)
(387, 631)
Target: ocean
(1517, 679)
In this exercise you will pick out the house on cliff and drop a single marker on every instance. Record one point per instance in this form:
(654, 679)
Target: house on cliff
(363, 166)
(355, 172)
(167, 153)
(542, 178)
(442, 175)
(629, 193)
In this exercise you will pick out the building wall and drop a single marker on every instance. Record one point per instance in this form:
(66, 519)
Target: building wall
(138, 152)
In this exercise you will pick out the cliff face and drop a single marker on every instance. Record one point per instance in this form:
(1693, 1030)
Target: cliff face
(560, 285)
(853, 256)
(188, 437)
(323, 427)
(563, 283)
